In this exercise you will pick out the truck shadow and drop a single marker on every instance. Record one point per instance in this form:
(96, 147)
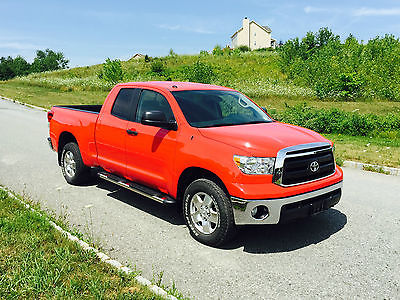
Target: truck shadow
(167, 213)
(256, 239)
(288, 237)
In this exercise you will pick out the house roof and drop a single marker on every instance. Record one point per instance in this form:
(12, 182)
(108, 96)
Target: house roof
(265, 28)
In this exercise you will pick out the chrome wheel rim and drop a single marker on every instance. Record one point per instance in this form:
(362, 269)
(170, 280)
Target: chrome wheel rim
(204, 213)
(69, 164)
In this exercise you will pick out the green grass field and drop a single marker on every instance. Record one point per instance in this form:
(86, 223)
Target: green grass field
(256, 74)
(37, 262)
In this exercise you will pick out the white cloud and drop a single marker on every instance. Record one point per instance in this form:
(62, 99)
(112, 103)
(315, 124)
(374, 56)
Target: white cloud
(185, 28)
(376, 12)
(18, 46)
(312, 9)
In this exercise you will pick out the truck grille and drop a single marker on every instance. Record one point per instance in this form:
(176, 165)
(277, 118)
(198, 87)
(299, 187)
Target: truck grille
(314, 164)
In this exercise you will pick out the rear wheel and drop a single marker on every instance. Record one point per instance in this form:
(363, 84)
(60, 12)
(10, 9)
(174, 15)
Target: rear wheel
(74, 170)
(208, 213)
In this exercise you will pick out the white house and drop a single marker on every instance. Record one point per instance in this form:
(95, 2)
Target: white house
(253, 35)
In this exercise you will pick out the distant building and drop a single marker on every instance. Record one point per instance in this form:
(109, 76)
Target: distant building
(253, 36)
(138, 56)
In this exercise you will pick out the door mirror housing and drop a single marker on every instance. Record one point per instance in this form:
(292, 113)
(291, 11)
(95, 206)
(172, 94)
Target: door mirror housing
(264, 109)
(157, 118)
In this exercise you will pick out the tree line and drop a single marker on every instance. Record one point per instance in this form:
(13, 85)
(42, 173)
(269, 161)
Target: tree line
(344, 69)
(45, 60)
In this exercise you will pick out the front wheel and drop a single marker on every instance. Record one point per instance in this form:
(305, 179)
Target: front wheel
(208, 213)
(74, 170)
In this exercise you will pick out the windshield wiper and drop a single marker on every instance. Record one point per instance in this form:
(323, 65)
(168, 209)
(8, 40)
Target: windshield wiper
(256, 122)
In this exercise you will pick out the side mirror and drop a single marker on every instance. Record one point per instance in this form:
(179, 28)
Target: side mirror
(264, 109)
(158, 119)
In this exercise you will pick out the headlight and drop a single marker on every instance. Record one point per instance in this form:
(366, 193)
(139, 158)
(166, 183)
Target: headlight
(255, 165)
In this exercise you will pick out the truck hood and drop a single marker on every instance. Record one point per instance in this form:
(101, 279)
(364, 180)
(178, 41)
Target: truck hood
(264, 139)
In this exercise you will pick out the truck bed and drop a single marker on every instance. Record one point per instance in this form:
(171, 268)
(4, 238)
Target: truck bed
(86, 108)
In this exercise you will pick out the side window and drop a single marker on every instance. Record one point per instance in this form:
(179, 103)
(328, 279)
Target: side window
(122, 107)
(150, 100)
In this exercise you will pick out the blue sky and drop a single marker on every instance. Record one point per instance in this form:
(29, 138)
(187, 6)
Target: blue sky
(90, 31)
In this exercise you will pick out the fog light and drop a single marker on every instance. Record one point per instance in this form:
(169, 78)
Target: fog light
(260, 212)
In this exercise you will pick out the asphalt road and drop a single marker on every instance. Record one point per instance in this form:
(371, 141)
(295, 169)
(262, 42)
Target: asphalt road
(350, 251)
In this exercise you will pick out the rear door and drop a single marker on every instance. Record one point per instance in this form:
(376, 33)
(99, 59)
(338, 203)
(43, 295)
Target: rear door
(111, 131)
(150, 154)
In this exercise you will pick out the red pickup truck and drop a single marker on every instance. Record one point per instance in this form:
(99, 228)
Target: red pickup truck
(207, 148)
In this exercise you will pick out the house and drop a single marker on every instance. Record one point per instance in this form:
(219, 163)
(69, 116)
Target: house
(138, 56)
(253, 35)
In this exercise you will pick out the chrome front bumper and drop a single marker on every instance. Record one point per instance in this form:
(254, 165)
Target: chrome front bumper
(242, 208)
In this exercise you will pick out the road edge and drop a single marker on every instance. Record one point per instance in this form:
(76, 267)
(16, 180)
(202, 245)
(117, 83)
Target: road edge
(373, 167)
(24, 104)
(102, 256)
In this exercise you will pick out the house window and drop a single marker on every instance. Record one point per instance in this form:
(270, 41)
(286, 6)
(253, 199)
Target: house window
(254, 43)
(254, 34)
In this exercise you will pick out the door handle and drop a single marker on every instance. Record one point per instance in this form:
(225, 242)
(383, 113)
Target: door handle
(131, 132)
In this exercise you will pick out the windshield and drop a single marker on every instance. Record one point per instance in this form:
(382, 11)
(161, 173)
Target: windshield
(211, 108)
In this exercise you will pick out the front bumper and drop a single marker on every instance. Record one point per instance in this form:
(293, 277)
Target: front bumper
(284, 209)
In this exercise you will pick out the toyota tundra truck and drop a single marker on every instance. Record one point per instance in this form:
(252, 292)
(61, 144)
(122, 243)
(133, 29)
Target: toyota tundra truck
(208, 149)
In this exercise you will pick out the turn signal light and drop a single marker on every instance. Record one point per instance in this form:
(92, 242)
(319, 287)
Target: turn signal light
(49, 116)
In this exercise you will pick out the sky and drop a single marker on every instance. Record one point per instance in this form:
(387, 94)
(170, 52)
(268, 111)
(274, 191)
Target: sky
(88, 32)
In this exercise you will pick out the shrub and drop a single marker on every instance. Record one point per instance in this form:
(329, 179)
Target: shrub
(343, 70)
(244, 48)
(199, 72)
(157, 66)
(217, 50)
(338, 121)
(112, 71)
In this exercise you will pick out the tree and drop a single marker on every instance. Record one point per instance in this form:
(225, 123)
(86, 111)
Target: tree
(6, 70)
(20, 66)
(48, 60)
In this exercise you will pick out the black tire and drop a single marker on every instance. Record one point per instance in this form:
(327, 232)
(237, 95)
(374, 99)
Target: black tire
(202, 222)
(79, 173)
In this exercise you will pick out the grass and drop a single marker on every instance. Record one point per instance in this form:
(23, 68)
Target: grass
(371, 150)
(36, 261)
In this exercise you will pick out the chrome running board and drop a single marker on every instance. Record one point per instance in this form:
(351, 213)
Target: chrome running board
(138, 188)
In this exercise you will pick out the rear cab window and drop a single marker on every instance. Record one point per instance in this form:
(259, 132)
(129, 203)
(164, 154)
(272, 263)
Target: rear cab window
(125, 103)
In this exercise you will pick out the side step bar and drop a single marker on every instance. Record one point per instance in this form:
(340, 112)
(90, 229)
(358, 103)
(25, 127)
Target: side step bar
(138, 188)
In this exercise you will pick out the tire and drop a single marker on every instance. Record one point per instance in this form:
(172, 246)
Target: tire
(208, 213)
(74, 170)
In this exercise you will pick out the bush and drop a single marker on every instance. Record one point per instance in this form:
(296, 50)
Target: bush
(112, 71)
(217, 51)
(244, 48)
(343, 70)
(157, 66)
(199, 72)
(338, 121)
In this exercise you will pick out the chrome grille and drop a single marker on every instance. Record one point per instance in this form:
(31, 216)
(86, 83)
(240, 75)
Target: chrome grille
(304, 163)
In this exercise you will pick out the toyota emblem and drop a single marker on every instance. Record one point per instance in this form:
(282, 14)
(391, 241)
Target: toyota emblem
(314, 166)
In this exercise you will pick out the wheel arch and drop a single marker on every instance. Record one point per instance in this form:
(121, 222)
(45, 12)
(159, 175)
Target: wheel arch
(190, 174)
(64, 138)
